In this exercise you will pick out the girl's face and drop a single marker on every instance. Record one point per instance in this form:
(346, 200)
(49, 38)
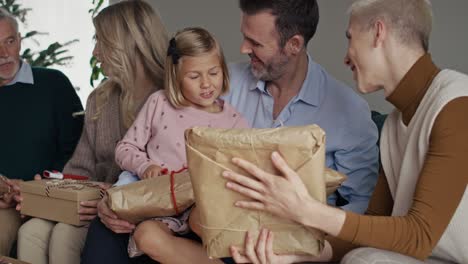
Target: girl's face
(201, 80)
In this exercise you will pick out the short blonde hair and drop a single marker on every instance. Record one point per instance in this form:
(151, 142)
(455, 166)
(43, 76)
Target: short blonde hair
(193, 41)
(127, 31)
(409, 20)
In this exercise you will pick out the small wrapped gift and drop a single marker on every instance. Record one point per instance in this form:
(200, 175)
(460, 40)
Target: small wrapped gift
(4, 187)
(165, 195)
(58, 200)
(7, 260)
(209, 153)
(333, 180)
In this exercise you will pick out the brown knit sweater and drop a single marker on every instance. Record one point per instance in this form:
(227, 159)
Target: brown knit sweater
(94, 156)
(440, 187)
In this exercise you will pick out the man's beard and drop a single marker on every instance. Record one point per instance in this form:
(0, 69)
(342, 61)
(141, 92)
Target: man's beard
(271, 70)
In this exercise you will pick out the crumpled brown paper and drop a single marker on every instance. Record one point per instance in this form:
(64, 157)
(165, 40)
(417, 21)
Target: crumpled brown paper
(333, 180)
(209, 153)
(149, 198)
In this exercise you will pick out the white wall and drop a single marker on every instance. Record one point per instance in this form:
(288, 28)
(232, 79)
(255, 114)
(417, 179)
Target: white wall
(448, 43)
(64, 20)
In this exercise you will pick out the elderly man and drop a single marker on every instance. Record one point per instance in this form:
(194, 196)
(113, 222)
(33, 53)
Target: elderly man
(38, 131)
(419, 210)
(283, 86)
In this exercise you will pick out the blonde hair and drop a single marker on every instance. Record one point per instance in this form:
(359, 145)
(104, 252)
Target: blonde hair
(193, 41)
(129, 31)
(409, 20)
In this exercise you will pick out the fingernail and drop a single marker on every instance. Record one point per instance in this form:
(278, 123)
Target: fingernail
(274, 155)
(235, 160)
(228, 184)
(225, 174)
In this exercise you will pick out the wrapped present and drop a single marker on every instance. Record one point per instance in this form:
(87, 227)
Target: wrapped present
(7, 260)
(209, 153)
(165, 195)
(4, 187)
(333, 180)
(58, 200)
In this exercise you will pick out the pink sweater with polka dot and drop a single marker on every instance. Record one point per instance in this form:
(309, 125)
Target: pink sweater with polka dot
(157, 135)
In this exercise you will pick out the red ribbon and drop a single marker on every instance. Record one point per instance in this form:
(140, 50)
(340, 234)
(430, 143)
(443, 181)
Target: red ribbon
(58, 175)
(173, 197)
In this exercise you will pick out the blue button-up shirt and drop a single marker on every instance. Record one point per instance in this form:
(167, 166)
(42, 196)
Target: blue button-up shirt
(24, 75)
(336, 108)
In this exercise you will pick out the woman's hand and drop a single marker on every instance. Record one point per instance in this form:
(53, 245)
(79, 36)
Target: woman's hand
(260, 252)
(88, 209)
(283, 196)
(111, 220)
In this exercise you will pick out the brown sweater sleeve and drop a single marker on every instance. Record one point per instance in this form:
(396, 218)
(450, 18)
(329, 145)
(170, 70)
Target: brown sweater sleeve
(381, 203)
(83, 161)
(441, 185)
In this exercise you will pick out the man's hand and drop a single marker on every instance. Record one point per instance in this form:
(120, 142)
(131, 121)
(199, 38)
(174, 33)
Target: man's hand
(151, 172)
(111, 220)
(18, 198)
(8, 200)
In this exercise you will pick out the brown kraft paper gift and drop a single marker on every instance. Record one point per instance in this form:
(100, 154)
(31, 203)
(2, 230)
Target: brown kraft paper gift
(57, 200)
(153, 197)
(333, 180)
(209, 153)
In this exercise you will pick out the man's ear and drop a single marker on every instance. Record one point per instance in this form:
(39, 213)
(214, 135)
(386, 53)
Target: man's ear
(380, 32)
(295, 44)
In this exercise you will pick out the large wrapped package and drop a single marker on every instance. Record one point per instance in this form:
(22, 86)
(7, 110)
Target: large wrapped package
(165, 195)
(209, 153)
(58, 200)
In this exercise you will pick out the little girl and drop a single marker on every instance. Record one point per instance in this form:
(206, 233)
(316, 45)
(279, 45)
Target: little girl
(196, 75)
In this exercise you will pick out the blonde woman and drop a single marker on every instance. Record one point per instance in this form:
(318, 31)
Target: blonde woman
(131, 44)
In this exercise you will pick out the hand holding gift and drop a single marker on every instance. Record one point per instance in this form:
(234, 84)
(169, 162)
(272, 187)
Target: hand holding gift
(210, 153)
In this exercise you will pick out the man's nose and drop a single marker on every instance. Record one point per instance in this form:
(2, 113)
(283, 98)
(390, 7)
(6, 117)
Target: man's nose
(245, 47)
(3, 52)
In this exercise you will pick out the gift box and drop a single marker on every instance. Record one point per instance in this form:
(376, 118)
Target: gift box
(58, 200)
(165, 195)
(4, 187)
(209, 153)
(7, 260)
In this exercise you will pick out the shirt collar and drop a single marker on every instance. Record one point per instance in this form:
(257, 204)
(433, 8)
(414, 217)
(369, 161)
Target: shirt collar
(414, 83)
(24, 74)
(307, 95)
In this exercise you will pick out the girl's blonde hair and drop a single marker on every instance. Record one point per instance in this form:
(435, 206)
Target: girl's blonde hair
(193, 41)
(128, 32)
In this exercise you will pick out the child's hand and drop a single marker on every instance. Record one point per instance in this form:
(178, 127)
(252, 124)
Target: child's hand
(152, 172)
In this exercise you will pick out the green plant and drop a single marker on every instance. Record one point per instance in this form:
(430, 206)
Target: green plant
(96, 71)
(55, 54)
